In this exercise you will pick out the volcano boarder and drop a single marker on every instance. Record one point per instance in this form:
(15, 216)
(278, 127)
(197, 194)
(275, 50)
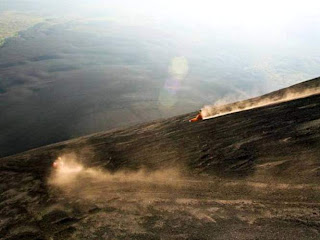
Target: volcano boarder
(58, 163)
(197, 118)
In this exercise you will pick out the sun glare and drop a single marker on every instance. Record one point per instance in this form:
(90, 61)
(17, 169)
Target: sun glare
(245, 13)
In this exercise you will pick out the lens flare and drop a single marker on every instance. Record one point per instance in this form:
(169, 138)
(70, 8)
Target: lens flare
(178, 70)
(167, 98)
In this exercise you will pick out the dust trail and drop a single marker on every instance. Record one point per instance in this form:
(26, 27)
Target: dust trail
(73, 177)
(217, 109)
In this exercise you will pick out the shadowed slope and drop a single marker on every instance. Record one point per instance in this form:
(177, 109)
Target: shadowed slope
(248, 175)
(234, 144)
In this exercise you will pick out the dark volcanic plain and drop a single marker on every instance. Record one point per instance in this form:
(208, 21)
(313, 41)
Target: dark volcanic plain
(248, 175)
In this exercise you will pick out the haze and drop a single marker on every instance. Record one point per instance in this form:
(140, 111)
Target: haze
(70, 68)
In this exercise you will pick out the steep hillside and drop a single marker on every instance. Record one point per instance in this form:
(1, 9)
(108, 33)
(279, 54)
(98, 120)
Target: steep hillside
(300, 90)
(248, 175)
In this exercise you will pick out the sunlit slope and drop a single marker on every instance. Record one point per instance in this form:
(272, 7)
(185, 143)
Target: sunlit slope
(300, 90)
(281, 140)
(307, 88)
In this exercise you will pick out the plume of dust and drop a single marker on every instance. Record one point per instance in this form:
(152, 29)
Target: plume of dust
(72, 176)
(220, 109)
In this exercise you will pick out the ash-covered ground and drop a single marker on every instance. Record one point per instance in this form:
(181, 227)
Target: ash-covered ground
(248, 175)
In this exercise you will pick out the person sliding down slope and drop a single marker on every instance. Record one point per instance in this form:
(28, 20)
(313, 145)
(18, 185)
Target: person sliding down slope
(197, 118)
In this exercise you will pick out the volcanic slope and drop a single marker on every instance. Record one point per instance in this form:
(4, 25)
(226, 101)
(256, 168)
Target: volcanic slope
(248, 175)
(299, 90)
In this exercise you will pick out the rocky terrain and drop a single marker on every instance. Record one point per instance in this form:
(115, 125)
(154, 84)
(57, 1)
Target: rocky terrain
(248, 175)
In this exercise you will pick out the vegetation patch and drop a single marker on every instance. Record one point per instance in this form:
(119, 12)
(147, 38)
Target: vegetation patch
(11, 23)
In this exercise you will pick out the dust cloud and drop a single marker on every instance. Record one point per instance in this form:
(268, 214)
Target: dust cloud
(73, 177)
(218, 109)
